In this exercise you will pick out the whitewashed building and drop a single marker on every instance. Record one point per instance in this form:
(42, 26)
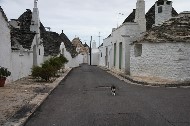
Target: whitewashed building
(74, 51)
(20, 43)
(72, 61)
(164, 51)
(24, 43)
(106, 53)
(27, 47)
(5, 41)
(82, 50)
(116, 47)
(94, 54)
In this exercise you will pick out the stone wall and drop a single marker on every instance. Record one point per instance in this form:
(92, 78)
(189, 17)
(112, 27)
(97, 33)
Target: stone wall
(163, 60)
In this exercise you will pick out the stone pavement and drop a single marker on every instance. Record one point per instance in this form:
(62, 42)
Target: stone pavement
(19, 99)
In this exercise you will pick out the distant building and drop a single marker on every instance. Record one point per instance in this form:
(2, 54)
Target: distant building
(79, 50)
(94, 54)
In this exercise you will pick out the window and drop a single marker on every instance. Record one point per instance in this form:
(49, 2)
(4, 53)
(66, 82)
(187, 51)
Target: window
(160, 9)
(101, 54)
(138, 50)
(39, 51)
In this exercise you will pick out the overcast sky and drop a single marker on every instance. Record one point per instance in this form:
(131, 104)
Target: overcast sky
(82, 18)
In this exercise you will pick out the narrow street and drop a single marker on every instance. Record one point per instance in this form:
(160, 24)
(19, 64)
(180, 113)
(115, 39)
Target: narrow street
(84, 99)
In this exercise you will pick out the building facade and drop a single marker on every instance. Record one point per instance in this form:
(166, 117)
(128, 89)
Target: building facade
(116, 47)
(119, 52)
(163, 52)
(5, 41)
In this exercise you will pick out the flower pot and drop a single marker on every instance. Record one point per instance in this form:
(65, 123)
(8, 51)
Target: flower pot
(2, 81)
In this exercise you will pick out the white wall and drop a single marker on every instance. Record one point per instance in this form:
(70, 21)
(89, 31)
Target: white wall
(95, 57)
(18, 62)
(126, 33)
(39, 58)
(72, 62)
(40, 55)
(107, 43)
(164, 60)
(37, 39)
(85, 58)
(80, 58)
(21, 64)
(102, 56)
(5, 44)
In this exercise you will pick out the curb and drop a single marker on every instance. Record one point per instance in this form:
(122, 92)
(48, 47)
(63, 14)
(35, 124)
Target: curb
(129, 78)
(35, 103)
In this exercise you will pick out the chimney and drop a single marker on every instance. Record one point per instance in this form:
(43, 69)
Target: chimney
(140, 15)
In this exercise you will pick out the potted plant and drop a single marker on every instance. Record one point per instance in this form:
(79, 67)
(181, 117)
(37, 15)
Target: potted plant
(4, 73)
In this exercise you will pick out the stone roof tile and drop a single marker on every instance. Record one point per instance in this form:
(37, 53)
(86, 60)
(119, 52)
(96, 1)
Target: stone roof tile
(131, 17)
(175, 30)
(23, 36)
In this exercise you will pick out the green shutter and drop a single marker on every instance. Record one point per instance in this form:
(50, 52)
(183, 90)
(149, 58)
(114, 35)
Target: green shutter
(114, 54)
(120, 55)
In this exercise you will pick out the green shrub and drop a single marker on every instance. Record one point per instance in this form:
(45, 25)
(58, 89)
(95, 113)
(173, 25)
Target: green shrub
(4, 72)
(36, 71)
(49, 68)
(63, 59)
(47, 72)
(55, 62)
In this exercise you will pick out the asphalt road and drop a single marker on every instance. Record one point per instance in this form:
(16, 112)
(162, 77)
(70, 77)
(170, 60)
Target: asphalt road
(84, 99)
